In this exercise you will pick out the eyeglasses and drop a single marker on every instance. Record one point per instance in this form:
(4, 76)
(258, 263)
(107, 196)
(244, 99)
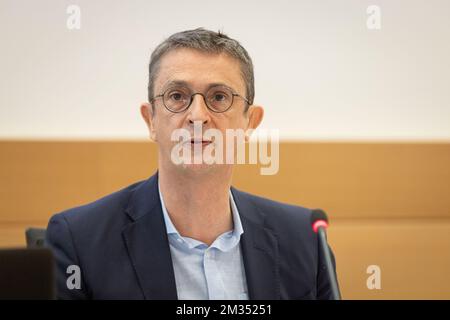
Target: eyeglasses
(179, 98)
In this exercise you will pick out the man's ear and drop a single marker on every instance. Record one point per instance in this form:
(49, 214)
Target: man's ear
(255, 114)
(147, 114)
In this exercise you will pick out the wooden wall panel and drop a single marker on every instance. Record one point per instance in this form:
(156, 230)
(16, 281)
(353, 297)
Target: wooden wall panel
(357, 180)
(349, 180)
(413, 256)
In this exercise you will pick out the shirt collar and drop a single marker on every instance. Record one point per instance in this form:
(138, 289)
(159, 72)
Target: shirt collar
(170, 228)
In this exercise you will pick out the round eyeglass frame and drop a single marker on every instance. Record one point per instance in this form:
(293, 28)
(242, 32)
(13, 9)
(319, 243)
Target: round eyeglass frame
(233, 94)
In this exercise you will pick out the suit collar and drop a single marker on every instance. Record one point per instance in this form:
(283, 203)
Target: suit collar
(148, 247)
(259, 250)
(144, 198)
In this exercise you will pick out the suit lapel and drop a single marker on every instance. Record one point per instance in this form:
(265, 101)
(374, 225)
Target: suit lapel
(147, 243)
(260, 251)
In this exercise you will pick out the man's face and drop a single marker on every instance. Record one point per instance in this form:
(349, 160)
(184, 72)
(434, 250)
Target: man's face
(198, 71)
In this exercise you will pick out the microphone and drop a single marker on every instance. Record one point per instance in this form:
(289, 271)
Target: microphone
(319, 222)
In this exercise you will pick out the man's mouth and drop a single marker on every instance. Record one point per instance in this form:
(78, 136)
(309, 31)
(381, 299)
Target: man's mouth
(200, 141)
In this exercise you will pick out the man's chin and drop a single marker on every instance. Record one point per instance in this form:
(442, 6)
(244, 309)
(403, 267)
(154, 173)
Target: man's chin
(201, 168)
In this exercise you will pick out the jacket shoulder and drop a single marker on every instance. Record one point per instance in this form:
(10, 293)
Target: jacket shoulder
(100, 210)
(280, 211)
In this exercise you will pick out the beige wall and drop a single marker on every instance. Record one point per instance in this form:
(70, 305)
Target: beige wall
(320, 72)
(389, 203)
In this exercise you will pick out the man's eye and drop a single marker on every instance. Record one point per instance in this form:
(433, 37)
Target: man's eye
(176, 96)
(219, 97)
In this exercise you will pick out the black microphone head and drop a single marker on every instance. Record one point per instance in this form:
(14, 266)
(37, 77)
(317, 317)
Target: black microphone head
(319, 219)
(318, 214)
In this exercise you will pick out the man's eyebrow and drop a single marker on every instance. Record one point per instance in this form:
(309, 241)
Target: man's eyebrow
(185, 83)
(220, 84)
(175, 83)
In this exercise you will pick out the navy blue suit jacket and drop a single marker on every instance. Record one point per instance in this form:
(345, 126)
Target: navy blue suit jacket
(121, 247)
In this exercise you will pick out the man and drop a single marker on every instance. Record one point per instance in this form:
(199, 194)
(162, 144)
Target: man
(186, 233)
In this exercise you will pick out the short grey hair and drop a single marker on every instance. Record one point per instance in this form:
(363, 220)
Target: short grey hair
(204, 41)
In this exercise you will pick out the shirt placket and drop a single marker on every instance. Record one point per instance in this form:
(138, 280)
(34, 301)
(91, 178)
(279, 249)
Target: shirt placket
(212, 274)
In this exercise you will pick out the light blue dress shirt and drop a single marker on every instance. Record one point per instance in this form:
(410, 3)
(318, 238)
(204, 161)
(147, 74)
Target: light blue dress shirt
(201, 272)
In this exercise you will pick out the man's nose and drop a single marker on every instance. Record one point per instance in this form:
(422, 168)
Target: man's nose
(198, 111)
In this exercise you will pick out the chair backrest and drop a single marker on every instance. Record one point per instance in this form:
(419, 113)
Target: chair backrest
(35, 237)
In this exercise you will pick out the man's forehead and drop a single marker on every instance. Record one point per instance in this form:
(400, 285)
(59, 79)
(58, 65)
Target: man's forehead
(199, 69)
